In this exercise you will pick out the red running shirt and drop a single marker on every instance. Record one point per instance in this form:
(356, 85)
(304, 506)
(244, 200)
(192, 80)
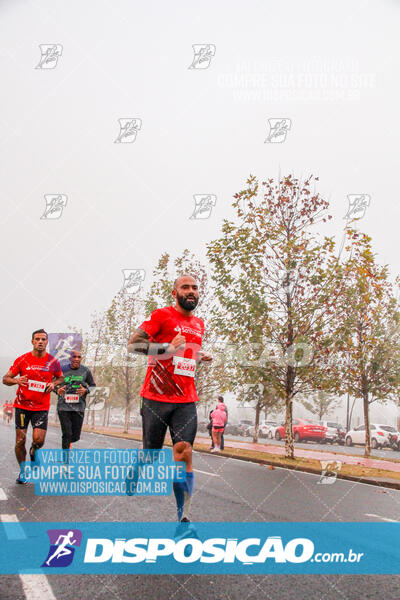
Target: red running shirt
(39, 371)
(172, 379)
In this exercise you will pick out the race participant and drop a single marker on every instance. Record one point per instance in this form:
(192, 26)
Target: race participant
(36, 374)
(7, 412)
(78, 383)
(172, 338)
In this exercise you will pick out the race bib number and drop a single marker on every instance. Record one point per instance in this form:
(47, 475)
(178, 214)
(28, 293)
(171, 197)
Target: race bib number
(184, 366)
(36, 386)
(71, 398)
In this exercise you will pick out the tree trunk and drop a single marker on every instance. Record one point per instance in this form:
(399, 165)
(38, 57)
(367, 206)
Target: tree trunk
(106, 416)
(366, 422)
(289, 447)
(290, 376)
(127, 399)
(257, 422)
(127, 413)
(92, 417)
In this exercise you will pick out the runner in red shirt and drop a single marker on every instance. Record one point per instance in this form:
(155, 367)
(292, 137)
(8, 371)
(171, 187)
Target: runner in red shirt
(36, 374)
(172, 338)
(7, 411)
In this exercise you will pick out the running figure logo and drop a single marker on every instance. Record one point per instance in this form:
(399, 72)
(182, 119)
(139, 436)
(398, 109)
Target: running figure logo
(50, 53)
(203, 205)
(128, 129)
(329, 471)
(203, 54)
(278, 129)
(97, 399)
(55, 203)
(62, 547)
(133, 279)
(358, 204)
(61, 344)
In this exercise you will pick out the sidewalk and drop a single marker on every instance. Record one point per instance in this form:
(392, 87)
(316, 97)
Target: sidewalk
(274, 455)
(349, 459)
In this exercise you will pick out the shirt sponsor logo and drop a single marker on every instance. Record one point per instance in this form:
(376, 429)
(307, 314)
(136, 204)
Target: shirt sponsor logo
(186, 329)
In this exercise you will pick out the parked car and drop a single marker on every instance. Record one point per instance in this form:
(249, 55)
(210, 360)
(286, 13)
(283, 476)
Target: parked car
(232, 429)
(272, 430)
(379, 435)
(244, 425)
(249, 431)
(303, 431)
(116, 419)
(393, 437)
(202, 425)
(333, 430)
(265, 428)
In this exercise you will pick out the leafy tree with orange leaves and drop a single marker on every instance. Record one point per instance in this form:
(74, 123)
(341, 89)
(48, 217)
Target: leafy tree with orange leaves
(367, 335)
(277, 280)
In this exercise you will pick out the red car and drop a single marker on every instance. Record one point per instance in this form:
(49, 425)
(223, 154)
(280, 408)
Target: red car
(303, 431)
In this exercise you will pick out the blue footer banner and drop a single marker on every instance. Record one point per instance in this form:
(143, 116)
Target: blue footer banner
(200, 548)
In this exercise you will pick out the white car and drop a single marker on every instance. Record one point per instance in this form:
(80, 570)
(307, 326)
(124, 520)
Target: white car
(332, 429)
(117, 419)
(378, 434)
(395, 435)
(272, 430)
(265, 427)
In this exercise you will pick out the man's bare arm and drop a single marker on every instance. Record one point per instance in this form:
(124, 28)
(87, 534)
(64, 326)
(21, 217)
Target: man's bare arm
(139, 343)
(11, 379)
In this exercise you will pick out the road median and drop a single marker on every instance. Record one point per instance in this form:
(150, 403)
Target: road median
(380, 472)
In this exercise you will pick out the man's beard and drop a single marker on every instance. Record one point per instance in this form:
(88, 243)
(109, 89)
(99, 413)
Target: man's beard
(187, 304)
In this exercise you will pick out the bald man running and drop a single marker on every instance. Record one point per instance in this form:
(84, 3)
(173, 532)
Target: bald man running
(172, 338)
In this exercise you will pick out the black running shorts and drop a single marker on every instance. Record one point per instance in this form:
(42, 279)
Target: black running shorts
(38, 418)
(180, 417)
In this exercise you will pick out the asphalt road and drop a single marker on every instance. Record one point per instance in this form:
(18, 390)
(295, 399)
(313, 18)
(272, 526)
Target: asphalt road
(226, 490)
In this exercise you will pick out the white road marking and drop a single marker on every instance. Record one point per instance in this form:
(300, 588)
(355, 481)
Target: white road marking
(35, 586)
(382, 518)
(2, 494)
(206, 473)
(14, 533)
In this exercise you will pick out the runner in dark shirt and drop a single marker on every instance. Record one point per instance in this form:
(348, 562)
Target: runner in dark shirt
(78, 383)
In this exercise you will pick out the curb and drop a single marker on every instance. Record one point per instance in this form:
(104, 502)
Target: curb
(366, 480)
